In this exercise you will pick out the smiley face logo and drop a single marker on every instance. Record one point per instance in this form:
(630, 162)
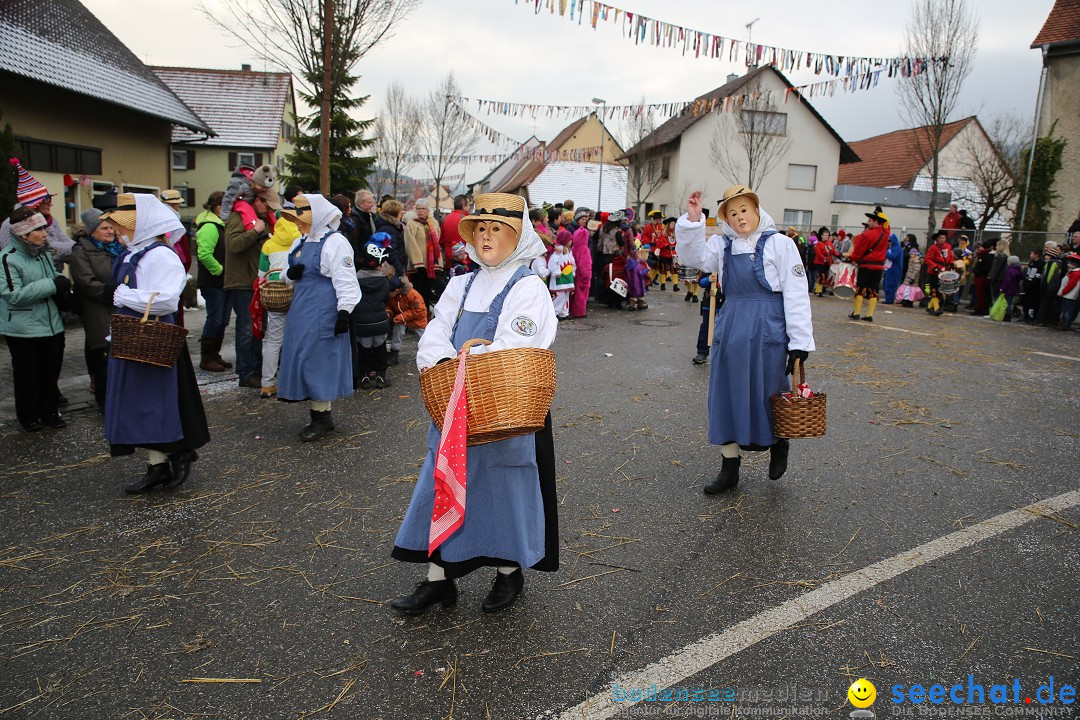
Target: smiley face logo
(862, 693)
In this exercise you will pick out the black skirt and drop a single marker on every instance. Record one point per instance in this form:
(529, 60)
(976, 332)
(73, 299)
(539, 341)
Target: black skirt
(545, 464)
(192, 415)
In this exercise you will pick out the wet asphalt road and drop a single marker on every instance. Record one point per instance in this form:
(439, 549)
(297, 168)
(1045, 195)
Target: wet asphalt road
(273, 565)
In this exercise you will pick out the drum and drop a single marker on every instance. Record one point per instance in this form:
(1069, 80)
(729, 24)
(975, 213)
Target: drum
(842, 275)
(687, 274)
(948, 282)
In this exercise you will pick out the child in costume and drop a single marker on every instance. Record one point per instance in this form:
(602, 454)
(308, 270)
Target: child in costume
(147, 406)
(273, 262)
(561, 270)
(508, 516)
(665, 256)
(1069, 292)
(637, 279)
(763, 322)
(316, 361)
(407, 311)
(370, 325)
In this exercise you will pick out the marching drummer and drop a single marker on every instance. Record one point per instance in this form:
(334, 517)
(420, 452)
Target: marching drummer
(868, 252)
(939, 259)
(508, 486)
(763, 324)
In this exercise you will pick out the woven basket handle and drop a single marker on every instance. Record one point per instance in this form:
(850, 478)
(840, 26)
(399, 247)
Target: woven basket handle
(801, 372)
(146, 313)
(471, 343)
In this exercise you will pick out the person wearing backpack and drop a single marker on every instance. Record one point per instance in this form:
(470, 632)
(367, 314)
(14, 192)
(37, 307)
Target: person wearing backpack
(210, 251)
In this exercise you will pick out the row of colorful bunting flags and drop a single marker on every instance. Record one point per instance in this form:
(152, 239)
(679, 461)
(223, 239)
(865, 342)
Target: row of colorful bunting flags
(658, 33)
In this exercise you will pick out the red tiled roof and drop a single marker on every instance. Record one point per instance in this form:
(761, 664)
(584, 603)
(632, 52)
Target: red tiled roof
(1061, 26)
(893, 159)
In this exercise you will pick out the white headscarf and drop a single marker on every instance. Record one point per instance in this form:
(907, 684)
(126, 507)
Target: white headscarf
(152, 219)
(324, 215)
(529, 246)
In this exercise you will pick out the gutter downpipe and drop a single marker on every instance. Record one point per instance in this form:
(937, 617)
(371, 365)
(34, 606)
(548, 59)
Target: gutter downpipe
(1034, 138)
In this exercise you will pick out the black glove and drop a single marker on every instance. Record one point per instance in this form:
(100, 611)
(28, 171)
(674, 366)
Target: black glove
(107, 294)
(342, 324)
(792, 355)
(294, 272)
(63, 285)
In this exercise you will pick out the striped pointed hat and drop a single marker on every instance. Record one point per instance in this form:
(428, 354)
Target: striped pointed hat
(29, 192)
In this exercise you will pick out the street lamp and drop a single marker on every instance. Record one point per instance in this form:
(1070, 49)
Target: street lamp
(600, 188)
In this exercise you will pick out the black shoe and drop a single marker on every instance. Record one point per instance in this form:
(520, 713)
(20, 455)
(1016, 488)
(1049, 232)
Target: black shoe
(31, 425)
(700, 359)
(869, 318)
(61, 400)
(365, 383)
(392, 357)
(726, 479)
(426, 594)
(155, 475)
(250, 382)
(321, 423)
(689, 295)
(663, 286)
(181, 468)
(381, 381)
(693, 299)
(504, 591)
(54, 421)
(854, 316)
(778, 458)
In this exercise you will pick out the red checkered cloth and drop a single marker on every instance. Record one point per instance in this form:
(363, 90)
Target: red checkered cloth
(448, 512)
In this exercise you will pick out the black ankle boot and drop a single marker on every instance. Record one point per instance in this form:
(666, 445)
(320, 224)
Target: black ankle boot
(504, 591)
(180, 464)
(426, 594)
(778, 453)
(321, 423)
(727, 478)
(155, 475)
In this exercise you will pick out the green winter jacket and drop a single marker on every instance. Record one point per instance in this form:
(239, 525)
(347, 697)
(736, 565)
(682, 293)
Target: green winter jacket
(27, 309)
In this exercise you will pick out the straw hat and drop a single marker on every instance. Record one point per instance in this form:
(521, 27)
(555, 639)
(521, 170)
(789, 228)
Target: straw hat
(738, 191)
(172, 197)
(500, 207)
(300, 212)
(124, 213)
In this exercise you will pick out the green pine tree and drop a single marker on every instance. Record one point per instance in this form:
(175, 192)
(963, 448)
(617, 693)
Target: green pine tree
(349, 167)
(9, 177)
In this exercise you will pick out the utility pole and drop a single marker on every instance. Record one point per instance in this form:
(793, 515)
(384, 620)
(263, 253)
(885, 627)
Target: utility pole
(324, 124)
(600, 188)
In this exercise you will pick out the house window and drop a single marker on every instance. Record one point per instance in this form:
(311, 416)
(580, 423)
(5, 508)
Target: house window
(58, 157)
(835, 221)
(245, 158)
(251, 159)
(798, 218)
(188, 193)
(663, 209)
(144, 189)
(281, 163)
(183, 159)
(802, 177)
(651, 174)
(763, 122)
(665, 167)
(287, 131)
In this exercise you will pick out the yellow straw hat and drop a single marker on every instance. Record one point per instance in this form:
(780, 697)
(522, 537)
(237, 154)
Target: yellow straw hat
(124, 213)
(500, 207)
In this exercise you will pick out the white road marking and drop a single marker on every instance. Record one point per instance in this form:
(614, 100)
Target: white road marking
(1059, 357)
(710, 650)
(894, 329)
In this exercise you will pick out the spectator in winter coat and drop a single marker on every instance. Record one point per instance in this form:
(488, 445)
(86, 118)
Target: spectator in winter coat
(243, 245)
(951, 223)
(388, 221)
(210, 252)
(1053, 271)
(96, 247)
(1010, 284)
(363, 219)
(32, 194)
(984, 260)
(449, 235)
(1070, 291)
(997, 268)
(1030, 285)
(425, 254)
(894, 261)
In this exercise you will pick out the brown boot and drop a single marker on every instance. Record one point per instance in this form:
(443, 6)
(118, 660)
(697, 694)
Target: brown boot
(210, 361)
(217, 352)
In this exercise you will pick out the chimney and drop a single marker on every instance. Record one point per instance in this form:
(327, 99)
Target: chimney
(245, 67)
(732, 77)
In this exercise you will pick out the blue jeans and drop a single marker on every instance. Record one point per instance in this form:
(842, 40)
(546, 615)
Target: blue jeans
(217, 314)
(1069, 307)
(248, 349)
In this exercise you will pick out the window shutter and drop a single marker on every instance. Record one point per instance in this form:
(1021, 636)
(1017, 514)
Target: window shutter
(190, 159)
(258, 159)
(189, 194)
(232, 161)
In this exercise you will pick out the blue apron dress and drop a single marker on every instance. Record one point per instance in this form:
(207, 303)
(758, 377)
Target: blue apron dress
(148, 406)
(749, 353)
(511, 508)
(316, 364)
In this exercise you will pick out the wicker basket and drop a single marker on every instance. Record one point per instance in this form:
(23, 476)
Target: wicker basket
(509, 391)
(146, 341)
(276, 295)
(798, 417)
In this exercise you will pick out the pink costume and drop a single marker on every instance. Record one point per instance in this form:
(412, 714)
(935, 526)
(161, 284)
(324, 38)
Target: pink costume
(582, 274)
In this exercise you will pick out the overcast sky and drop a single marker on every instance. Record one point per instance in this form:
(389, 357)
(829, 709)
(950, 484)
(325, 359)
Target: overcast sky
(500, 49)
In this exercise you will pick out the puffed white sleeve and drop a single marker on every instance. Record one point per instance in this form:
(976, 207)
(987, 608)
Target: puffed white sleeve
(785, 257)
(158, 272)
(695, 250)
(527, 318)
(337, 264)
(292, 249)
(435, 344)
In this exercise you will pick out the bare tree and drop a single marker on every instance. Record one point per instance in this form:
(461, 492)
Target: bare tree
(944, 33)
(397, 134)
(748, 144)
(445, 135)
(992, 160)
(648, 161)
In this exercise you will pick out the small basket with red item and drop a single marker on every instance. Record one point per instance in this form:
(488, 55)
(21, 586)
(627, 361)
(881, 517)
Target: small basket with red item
(794, 414)
(146, 341)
